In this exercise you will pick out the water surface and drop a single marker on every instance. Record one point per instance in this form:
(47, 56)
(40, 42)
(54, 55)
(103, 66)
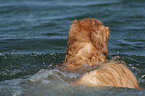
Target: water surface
(33, 35)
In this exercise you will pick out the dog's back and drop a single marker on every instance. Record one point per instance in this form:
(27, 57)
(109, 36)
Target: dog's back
(110, 74)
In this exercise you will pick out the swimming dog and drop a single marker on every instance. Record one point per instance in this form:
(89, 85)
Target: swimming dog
(87, 45)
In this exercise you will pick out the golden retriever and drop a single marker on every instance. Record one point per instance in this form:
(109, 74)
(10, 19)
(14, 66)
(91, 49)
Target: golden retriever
(87, 45)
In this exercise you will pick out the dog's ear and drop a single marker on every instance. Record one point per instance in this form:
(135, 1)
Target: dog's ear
(99, 37)
(95, 40)
(72, 31)
(105, 49)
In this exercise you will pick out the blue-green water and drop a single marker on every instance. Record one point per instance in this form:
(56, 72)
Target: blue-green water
(33, 35)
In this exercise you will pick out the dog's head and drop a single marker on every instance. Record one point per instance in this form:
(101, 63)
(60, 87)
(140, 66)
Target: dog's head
(96, 30)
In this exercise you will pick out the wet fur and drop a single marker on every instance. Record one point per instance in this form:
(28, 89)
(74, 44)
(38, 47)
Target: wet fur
(110, 74)
(87, 45)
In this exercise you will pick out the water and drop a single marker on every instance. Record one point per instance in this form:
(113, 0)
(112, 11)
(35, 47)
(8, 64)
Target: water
(33, 35)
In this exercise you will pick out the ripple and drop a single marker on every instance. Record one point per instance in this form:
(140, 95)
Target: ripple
(34, 35)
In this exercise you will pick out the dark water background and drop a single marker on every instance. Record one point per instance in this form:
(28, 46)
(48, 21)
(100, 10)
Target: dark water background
(33, 35)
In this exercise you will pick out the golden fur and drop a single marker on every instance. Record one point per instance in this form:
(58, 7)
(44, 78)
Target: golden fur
(87, 45)
(110, 74)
